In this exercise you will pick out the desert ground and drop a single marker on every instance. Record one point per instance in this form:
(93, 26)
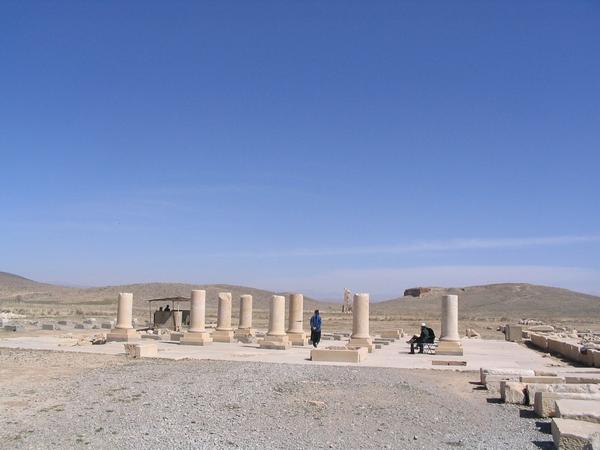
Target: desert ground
(50, 400)
(68, 399)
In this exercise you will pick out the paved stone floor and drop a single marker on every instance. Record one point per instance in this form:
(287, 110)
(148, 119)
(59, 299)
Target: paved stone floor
(477, 353)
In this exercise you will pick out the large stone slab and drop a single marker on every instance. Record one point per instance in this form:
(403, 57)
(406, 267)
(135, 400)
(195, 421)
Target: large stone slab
(545, 402)
(575, 434)
(533, 388)
(511, 374)
(582, 379)
(122, 335)
(542, 380)
(339, 354)
(198, 338)
(141, 350)
(588, 410)
(513, 392)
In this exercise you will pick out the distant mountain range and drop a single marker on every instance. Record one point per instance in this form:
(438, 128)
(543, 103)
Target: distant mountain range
(511, 300)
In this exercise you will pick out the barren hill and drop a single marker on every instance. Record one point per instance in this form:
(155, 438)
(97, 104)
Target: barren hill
(510, 300)
(16, 288)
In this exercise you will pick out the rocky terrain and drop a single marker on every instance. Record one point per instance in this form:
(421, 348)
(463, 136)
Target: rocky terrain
(92, 401)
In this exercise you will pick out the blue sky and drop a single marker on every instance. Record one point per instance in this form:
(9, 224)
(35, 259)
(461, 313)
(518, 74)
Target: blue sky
(305, 146)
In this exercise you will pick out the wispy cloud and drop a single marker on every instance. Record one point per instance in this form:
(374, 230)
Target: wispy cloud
(426, 246)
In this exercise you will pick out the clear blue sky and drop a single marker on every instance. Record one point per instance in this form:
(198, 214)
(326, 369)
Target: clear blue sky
(305, 146)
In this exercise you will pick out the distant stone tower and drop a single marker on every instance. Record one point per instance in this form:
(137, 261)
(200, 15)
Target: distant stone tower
(347, 306)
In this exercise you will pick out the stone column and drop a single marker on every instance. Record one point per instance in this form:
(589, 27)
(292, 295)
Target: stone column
(360, 323)
(244, 331)
(276, 337)
(197, 334)
(123, 331)
(224, 332)
(295, 329)
(449, 343)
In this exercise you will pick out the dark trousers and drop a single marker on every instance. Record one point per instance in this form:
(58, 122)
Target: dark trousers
(418, 344)
(315, 337)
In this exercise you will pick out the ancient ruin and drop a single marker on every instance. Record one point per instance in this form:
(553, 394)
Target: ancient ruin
(276, 337)
(124, 330)
(197, 334)
(295, 330)
(360, 323)
(224, 332)
(450, 342)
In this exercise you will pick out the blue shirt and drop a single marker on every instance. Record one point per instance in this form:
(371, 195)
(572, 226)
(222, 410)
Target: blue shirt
(315, 323)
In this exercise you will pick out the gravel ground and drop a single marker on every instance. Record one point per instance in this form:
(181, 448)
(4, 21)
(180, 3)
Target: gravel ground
(61, 400)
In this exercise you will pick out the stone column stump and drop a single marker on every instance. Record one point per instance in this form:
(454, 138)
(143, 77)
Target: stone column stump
(197, 334)
(123, 330)
(295, 330)
(276, 337)
(224, 332)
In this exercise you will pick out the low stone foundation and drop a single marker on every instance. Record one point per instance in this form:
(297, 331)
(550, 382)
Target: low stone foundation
(339, 354)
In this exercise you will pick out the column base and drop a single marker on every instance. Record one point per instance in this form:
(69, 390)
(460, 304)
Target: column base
(122, 335)
(298, 338)
(453, 348)
(276, 342)
(226, 336)
(361, 342)
(245, 335)
(201, 338)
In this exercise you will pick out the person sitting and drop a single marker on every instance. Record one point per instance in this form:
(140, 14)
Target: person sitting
(167, 308)
(160, 309)
(425, 337)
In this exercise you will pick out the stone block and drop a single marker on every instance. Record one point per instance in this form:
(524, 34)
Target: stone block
(513, 392)
(362, 342)
(377, 346)
(575, 434)
(298, 339)
(381, 341)
(588, 410)
(513, 333)
(542, 380)
(545, 402)
(541, 328)
(545, 373)
(394, 334)
(533, 388)
(202, 338)
(79, 326)
(141, 350)
(48, 326)
(554, 345)
(91, 321)
(450, 348)
(439, 362)
(63, 322)
(582, 379)
(14, 328)
(176, 336)
(339, 354)
(539, 341)
(276, 342)
(511, 374)
(122, 335)
(227, 336)
(596, 358)
(337, 337)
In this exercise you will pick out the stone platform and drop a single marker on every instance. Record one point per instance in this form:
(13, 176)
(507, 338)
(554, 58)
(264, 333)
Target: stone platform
(477, 353)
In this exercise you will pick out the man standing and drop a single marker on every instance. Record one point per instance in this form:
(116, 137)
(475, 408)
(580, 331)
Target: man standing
(315, 328)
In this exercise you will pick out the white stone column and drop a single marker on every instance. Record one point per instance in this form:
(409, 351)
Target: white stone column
(449, 343)
(244, 331)
(360, 323)
(295, 329)
(123, 331)
(125, 311)
(224, 332)
(276, 337)
(198, 311)
(197, 334)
